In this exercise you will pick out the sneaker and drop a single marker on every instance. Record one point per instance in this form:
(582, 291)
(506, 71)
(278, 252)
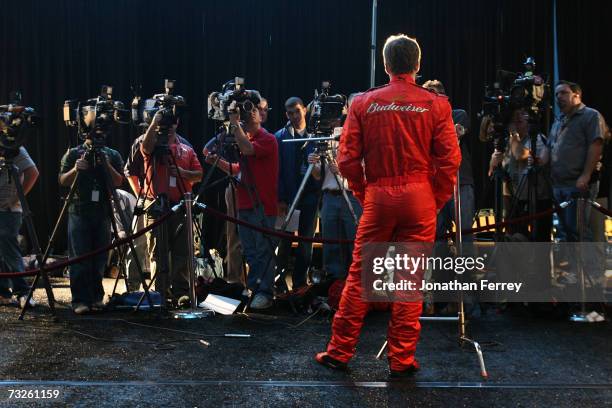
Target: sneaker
(80, 308)
(324, 359)
(405, 373)
(98, 306)
(261, 301)
(22, 301)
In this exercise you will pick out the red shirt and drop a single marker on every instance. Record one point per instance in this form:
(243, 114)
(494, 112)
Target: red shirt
(397, 134)
(185, 158)
(262, 172)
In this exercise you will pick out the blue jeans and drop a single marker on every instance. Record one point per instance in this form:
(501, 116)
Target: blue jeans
(258, 251)
(338, 223)
(447, 215)
(308, 207)
(10, 255)
(85, 234)
(568, 226)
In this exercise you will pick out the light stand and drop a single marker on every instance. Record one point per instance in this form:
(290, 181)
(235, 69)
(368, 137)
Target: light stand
(192, 312)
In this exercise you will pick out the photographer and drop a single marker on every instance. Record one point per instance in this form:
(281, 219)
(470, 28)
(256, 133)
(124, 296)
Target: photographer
(521, 163)
(257, 198)
(293, 162)
(89, 222)
(10, 222)
(171, 170)
(336, 219)
(576, 143)
(234, 255)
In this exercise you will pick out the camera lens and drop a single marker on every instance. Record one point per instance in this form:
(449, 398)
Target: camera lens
(248, 106)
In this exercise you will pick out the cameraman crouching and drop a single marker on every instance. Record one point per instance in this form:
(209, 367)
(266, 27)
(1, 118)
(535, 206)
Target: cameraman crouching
(257, 198)
(89, 222)
(171, 170)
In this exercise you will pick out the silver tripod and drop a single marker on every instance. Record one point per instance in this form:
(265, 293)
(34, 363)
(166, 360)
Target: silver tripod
(460, 318)
(321, 149)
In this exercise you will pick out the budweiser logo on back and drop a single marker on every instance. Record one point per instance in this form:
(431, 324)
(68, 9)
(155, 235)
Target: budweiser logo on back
(374, 107)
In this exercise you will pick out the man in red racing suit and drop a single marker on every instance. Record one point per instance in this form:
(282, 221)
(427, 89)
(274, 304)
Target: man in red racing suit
(400, 154)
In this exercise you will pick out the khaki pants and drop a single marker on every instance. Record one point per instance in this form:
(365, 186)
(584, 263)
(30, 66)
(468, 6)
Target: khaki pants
(233, 259)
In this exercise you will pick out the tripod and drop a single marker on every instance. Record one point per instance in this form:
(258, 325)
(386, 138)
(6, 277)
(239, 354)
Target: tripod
(263, 244)
(92, 154)
(13, 175)
(321, 150)
(528, 181)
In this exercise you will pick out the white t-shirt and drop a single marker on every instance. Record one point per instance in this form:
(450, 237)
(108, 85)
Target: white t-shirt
(9, 201)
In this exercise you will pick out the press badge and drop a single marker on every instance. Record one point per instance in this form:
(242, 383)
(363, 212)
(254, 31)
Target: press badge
(172, 181)
(95, 196)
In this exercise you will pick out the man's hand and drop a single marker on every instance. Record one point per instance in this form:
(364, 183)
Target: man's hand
(210, 158)
(174, 171)
(313, 158)
(582, 183)
(81, 164)
(333, 167)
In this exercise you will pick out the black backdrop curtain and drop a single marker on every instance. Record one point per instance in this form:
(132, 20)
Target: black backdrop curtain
(61, 49)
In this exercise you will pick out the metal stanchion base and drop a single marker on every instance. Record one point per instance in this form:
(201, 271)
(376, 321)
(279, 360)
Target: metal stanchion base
(189, 314)
(579, 317)
(483, 370)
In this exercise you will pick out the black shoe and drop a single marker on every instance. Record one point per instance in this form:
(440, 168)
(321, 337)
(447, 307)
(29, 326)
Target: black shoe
(406, 373)
(324, 359)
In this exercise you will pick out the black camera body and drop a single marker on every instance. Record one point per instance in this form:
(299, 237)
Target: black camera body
(95, 117)
(232, 96)
(325, 112)
(171, 107)
(17, 123)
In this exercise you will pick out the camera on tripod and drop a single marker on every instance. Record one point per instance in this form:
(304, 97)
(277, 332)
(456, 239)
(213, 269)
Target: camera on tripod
(325, 112)
(232, 94)
(17, 122)
(510, 92)
(95, 117)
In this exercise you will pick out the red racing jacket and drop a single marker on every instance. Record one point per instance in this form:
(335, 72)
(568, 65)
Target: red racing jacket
(400, 133)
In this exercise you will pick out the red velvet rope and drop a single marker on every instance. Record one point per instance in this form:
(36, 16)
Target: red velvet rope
(63, 264)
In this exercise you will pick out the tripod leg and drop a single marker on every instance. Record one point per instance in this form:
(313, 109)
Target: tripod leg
(27, 215)
(114, 200)
(344, 193)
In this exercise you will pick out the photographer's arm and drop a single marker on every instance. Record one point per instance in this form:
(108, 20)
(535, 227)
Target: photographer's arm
(116, 177)
(519, 151)
(313, 158)
(150, 136)
(30, 175)
(192, 176)
(68, 171)
(244, 144)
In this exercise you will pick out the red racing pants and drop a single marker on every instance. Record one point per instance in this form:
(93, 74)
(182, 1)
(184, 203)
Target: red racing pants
(404, 213)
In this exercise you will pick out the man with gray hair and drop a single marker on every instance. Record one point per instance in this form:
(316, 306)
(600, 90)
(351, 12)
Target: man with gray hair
(400, 155)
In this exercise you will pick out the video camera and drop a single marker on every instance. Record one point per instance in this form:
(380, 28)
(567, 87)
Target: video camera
(325, 112)
(513, 91)
(17, 122)
(94, 117)
(232, 92)
(171, 107)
